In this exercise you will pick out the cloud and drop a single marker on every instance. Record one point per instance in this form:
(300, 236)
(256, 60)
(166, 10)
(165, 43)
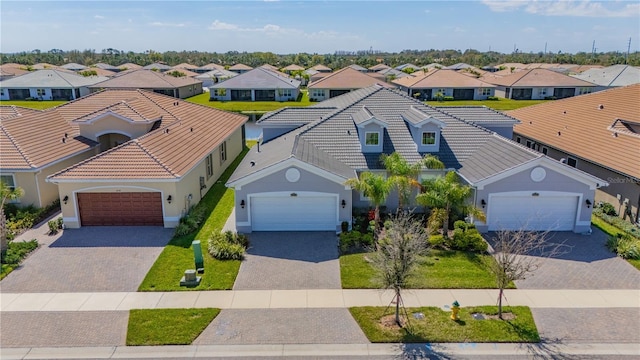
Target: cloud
(219, 25)
(163, 24)
(581, 8)
(99, 17)
(269, 28)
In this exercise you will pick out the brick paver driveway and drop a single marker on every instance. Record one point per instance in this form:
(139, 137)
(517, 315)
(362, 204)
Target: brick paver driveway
(90, 259)
(290, 261)
(584, 264)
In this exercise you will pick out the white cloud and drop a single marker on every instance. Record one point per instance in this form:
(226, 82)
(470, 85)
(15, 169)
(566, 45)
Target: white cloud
(581, 8)
(163, 24)
(99, 17)
(219, 25)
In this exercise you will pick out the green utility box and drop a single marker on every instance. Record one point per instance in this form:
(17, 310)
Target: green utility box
(197, 254)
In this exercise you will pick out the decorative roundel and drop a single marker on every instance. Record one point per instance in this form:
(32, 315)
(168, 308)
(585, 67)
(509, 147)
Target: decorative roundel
(538, 174)
(292, 175)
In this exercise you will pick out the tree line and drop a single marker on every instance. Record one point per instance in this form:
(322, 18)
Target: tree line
(335, 61)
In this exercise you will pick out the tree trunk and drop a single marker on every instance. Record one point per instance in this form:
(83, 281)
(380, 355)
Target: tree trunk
(376, 218)
(500, 303)
(3, 231)
(398, 307)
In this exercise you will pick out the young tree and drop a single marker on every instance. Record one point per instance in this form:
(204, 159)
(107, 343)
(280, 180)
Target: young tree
(6, 193)
(376, 188)
(517, 254)
(400, 247)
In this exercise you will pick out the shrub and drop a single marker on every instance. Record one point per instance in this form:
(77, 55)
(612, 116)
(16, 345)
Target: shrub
(493, 98)
(17, 251)
(625, 246)
(182, 230)
(436, 241)
(608, 209)
(53, 227)
(447, 98)
(352, 241)
(618, 222)
(228, 245)
(60, 222)
(467, 240)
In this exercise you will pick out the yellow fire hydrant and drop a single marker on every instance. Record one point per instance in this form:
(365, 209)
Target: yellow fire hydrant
(455, 308)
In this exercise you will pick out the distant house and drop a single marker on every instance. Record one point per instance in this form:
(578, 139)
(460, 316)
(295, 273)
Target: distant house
(47, 85)
(157, 67)
(209, 67)
(214, 76)
(186, 66)
(612, 76)
(178, 87)
(379, 67)
(539, 84)
(106, 66)
(74, 67)
(259, 84)
(440, 83)
(359, 68)
(240, 68)
(182, 71)
(458, 66)
(407, 66)
(129, 66)
(9, 70)
(341, 82)
(321, 68)
(392, 74)
(597, 133)
(291, 68)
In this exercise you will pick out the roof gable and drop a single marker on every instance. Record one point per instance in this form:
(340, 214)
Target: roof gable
(440, 78)
(346, 78)
(259, 78)
(51, 79)
(145, 79)
(538, 77)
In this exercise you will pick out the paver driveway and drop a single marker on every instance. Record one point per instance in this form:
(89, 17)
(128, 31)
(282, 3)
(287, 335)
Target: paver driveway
(90, 259)
(585, 263)
(290, 261)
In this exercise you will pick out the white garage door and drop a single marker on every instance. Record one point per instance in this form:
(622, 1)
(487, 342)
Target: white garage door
(555, 213)
(294, 213)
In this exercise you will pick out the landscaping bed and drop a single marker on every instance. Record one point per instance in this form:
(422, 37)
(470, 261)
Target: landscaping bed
(16, 252)
(435, 325)
(150, 327)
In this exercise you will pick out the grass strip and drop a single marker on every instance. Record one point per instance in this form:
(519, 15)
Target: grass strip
(167, 326)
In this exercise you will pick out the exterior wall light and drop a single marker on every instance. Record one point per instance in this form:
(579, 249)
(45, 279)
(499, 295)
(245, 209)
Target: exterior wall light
(242, 204)
(588, 202)
(66, 199)
(169, 199)
(535, 194)
(483, 203)
(344, 203)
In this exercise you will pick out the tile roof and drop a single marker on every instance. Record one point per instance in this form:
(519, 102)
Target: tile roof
(169, 152)
(480, 115)
(157, 66)
(73, 66)
(538, 77)
(130, 66)
(259, 78)
(106, 66)
(393, 72)
(51, 79)
(581, 126)
(346, 78)
(12, 111)
(615, 75)
(458, 66)
(320, 68)
(333, 140)
(184, 71)
(379, 67)
(294, 116)
(441, 78)
(45, 66)
(237, 67)
(218, 73)
(145, 79)
(405, 66)
(357, 67)
(103, 72)
(210, 66)
(14, 69)
(293, 67)
(185, 66)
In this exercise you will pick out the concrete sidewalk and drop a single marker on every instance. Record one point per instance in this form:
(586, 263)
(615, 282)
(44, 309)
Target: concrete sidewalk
(396, 351)
(335, 298)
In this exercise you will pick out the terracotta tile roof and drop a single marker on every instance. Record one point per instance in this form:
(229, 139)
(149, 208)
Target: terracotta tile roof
(379, 67)
(103, 72)
(166, 153)
(538, 77)
(157, 66)
(105, 66)
(184, 71)
(14, 69)
(320, 68)
(145, 79)
(585, 127)
(45, 66)
(12, 111)
(441, 78)
(237, 67)
(185, 66)
(293, 67)
(130, 66)
(347, 78)
(211, 66)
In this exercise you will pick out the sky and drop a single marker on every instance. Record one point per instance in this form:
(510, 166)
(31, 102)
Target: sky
(286, 27)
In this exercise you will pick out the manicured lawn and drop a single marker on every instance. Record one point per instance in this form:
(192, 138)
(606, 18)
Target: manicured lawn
(501, 104)
(440, 270)
(167, 326)
(38, 105)
(438, 327)
(249, 106)
(177, 256)
(611, 231)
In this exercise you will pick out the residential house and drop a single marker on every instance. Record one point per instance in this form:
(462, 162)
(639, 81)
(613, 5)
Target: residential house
(240, 68)
(295, 180)
(492, 120)
(101, 72)
(186, 66)
(105, 66)
(357, 67)
(597, 133)
(321, 68)
(157, 67)
(440, 83)
(459, 66)
(612, 76)
(539, 84)
(9, 70)
(74, 67)
(291, 68)
(47, 85)
(178, 87)
(259, 84)
(45, 66)
(379, 67)
(342, 81)
(119, 157)
(182, 71)
(214, 76)
(209, 67)
(407, 67)
(129, 66)
(392, 74)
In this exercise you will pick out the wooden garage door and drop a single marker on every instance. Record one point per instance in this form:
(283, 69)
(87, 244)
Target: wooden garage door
(127, 208)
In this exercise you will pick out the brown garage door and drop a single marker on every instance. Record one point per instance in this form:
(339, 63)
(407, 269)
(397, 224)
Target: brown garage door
(127, 208)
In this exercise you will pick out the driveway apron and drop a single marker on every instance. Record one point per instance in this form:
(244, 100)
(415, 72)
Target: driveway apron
(90, 259)
(290, 261)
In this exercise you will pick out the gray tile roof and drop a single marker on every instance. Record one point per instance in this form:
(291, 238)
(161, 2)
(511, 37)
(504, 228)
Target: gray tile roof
(358, 67)
(480, 115)
(73, 66)
(51, 79)
(161, 67)
(615, 75)
(333, 143)
(294, 116)
(105, 66)
(458, 66)
(259, 78)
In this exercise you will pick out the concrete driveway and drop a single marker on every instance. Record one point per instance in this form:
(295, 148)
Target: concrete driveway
(290, 261)
(90, 259)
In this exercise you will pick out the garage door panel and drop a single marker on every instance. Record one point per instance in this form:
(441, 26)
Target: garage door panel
(555, 213)
(129, 208)
(301, 213)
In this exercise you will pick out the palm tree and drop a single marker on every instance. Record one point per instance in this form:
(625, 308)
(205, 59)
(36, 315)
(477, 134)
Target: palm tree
(444, 195)
(6, 193)
(376, 188)
(405, 175)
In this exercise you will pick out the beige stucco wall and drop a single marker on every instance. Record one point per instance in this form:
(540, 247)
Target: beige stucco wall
(26, 181)
(110, 124)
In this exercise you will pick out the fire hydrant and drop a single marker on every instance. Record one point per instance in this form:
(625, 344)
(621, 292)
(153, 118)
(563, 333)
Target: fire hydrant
(455, 308)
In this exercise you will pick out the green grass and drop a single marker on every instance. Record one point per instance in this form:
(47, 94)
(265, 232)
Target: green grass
(167, 326)
(440, 270)
(38, 105)
(611, 230)
(249, 106)
(177, 256)
(501, 104)
(438, 327)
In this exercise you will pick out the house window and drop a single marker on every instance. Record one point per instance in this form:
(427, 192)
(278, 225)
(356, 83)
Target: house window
(317, 93)
(485, 91)
(223, 152)
(9, 181)
(372, 138)
(209, 166)
(40, 92)
(545, 150)
(428, 138)
(518, 139)
(585, 90)
(285, 93)
(542, 91)
(571, 161)
(1, 92)
(529, 143)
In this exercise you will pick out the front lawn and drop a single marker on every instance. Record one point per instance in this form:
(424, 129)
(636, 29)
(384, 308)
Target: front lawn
(167, 326)
(612, 230)
(500, 105)
(38, 105)
(249, 106)
(440, 270)
(436, 326)
(177, 256)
